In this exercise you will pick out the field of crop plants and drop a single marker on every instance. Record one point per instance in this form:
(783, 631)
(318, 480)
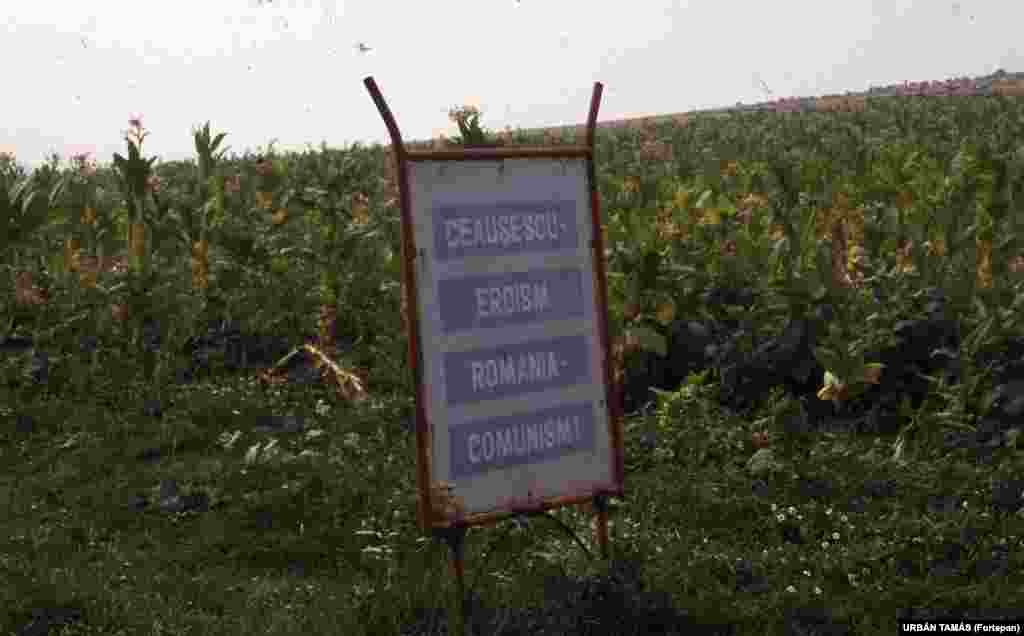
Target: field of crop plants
(205, 406)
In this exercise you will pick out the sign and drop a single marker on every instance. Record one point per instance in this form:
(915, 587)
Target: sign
(503, 271)
(512, 362)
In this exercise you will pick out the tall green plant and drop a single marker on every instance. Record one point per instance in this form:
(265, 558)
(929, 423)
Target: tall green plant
(347, 238)
(467, 118)
(998, 237)
(137, 183)
(22, 211)
(134, 175)
(208, 181)
(73, 201)
(210, 203)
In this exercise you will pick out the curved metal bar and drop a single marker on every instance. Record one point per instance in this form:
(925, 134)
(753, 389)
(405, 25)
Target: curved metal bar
(426, 515)
(613, 393)
(595, 104)
(385, 112)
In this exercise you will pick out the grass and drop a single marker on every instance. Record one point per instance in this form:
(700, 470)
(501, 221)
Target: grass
(314, 531)
(328, 543)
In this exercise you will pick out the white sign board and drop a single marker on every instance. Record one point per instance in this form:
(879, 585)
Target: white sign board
(512, 363)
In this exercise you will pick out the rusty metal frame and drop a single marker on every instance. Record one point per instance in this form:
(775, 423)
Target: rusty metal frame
(402, 157)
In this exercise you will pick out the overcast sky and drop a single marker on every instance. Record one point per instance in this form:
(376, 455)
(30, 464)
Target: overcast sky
(291, 69)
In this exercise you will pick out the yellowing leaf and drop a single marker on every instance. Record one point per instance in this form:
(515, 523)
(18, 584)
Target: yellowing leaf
(711, 216)
(904, 200)
(669, 230)
(360, 211)
(264, 200)
(904, 258)
(840, 201)
(753, 201)
(279, 217)
(199, 264)
(666, 312)
(681, 200)
(936, 247)
(71, 255)
(857, 253)
(984, 267)
(831, 392)
(136, 242)
(87, 279)
(200, 280)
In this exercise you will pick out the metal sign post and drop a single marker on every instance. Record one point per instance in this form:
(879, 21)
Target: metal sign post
(504, 277)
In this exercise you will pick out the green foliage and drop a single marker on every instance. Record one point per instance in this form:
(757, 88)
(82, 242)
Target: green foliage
(468, 120)
(343, 508)
(22, 210)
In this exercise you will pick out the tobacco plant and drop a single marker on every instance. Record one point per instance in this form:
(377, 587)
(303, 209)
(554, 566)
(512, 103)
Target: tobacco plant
(22, 211)
(135, 180)
(468, 120)
(337, 194)
(210, 204)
